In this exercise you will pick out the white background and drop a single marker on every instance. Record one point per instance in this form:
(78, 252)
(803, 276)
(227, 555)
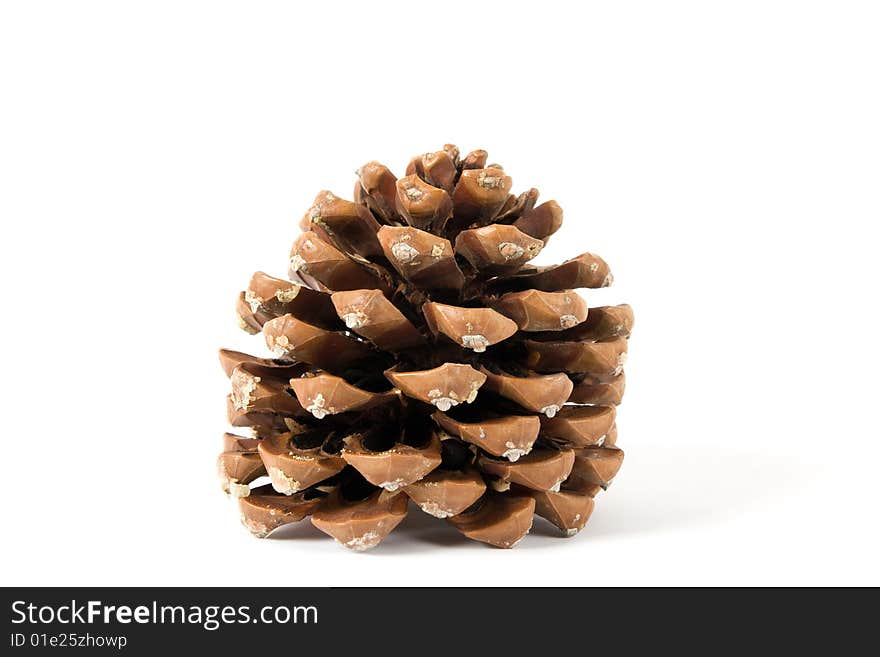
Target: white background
(724, 157)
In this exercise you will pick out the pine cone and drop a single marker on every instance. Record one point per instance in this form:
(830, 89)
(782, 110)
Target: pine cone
(417, 355)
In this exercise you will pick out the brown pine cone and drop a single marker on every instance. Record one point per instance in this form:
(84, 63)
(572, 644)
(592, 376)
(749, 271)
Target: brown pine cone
(417, 355)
